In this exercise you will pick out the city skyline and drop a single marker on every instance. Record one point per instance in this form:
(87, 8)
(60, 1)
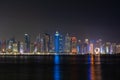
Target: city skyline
(57, 43)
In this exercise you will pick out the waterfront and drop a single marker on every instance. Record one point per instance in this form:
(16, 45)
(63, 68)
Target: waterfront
(60, 67)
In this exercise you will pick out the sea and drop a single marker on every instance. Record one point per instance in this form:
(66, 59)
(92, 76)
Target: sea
(60, 67)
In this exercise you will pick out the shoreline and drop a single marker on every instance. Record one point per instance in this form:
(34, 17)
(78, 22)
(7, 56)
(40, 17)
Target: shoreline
(47, 54)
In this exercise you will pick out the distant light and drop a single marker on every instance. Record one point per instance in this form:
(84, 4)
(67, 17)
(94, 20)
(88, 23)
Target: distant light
(57, 33)
(26, 34)
(97, 50)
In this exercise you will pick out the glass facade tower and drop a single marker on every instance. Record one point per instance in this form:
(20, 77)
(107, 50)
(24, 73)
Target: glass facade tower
(56, 42)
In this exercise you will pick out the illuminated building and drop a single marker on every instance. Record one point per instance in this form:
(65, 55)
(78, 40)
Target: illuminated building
(38, 42)
(45, 43)
(15, 48)
(102, 49)
(107, 47)
(10, 46)
(21, 47)
(117, 48)
(91, 48)
(51, 46)
(27, 43)
(46, 38)
(113, 48)
(41, 44)
(79, 47)
(57, 42)
(18, 44)
(73, 44)
(86, 46)
(61, 44)
(101, 46)
(31, 47)
(4, 46)
(34, 47)
(67, 43)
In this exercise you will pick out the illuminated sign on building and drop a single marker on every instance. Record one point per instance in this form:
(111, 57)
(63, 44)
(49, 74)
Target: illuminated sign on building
(97, 50)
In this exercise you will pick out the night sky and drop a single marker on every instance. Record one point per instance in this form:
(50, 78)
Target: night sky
(91, 19)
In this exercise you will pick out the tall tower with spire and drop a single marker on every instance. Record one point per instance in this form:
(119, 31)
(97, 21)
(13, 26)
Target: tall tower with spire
(56, 42)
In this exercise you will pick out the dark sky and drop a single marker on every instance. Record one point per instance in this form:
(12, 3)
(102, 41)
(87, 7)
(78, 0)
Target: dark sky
(86, 19)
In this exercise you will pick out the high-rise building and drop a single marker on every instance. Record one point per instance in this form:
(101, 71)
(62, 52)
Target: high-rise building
(46, 38)
(9, 48)
(79, 47)
(61, 41)
(38, 41)
(107, 47)
(117, 48)
(113, 48)
(18, 44)
(91, 48)
(27, 43)
(42, 44)
(31, 47)
(102, 49)
(86, 46)
(3, 46)
(15, 48)
(57, 42)
(21, 47)
(74, 45)
(67, 43)
(51, 46)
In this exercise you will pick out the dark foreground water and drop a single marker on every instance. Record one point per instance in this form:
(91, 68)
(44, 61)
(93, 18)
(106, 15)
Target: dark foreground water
(60, 67)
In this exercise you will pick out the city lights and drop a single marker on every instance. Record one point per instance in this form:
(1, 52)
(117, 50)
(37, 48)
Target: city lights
(46, 44)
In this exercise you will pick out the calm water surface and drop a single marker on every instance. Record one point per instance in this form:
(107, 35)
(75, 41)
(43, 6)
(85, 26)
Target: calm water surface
(60, 67)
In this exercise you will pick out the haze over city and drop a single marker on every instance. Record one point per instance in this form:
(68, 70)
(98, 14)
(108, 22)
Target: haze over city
(85, 19)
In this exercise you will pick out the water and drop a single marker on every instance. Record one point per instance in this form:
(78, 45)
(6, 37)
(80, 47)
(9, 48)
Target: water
(60, 67)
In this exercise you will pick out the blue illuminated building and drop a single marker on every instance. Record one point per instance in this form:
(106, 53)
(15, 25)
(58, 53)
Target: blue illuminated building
(56, 42)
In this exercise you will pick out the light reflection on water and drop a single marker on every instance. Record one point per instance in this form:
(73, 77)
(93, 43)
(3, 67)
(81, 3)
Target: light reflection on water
(94, 68)
(57, 67)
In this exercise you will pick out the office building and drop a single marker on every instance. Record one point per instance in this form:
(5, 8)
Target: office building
(67, 45)
(57, 42)
(46, 38)
(15, 48)
(74, 45)
(27, 43)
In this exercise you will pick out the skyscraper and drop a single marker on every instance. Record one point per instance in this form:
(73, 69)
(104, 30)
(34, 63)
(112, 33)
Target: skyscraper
(56, 42)
(51, 47)
(67, 43)
(21, 47)
(15, 48)
(91, 48)
(46, 38)
(3, 46)
(61, 44)
(86, 46)
(74, 45)
(27, 43)
(107, 47)
(38, 42)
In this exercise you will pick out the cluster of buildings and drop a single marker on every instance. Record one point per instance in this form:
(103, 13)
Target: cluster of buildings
(45, 43)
